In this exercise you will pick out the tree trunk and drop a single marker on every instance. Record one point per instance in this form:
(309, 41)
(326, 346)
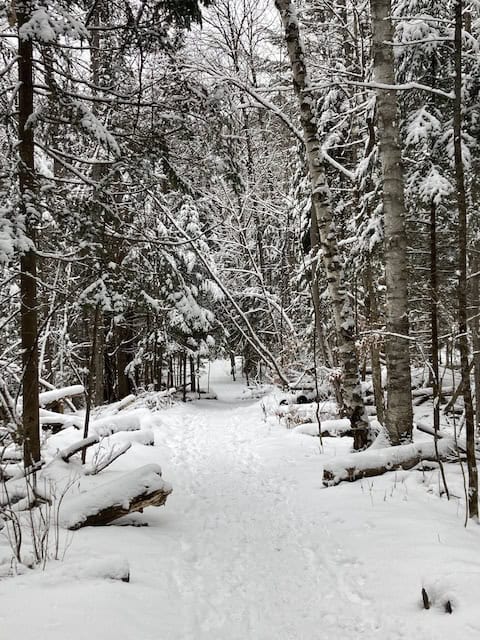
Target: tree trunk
(322, 217)
(434, 318)
(91, 375)
(317, 308)
(373, 318)
(158, 368)
(183, 369)
(99, 358)
(28, 262)
(399, 401)
(193, 377)
(475, 307)
(434, 335)
(124, 358)
(97, 65)
(462, 269)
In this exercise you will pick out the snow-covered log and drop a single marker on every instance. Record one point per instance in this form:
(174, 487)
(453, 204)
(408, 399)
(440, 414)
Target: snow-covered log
(145, 437)
(460, 442)
(55, 395)
(12, 453)
(423, 394)
(114, 407)
(428, 391)
(61, 420)
(74, 448)
(295, 414)
(129, 421)
(125, 402)
(340, 427)
(375, 462)
(143, 487)
(20, 488)
(104, 461)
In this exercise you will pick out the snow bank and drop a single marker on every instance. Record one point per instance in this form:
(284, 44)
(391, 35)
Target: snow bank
(109, 568)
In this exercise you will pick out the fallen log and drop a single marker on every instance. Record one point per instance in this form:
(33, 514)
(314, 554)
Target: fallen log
(105, 503)
(376, 462)
(12, 453)
(295, 414)
(130, 421)
(19, 487)
(428, 392)
(109, 456)
(423, 394)
(60, 421)
(103, 459)
(144, 436)
(74, 448)
(334, 428)
(460, 442)
(51, 387)
(55, 395)
(115, 407)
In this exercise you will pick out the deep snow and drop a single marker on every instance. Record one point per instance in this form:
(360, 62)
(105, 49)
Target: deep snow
(251, 546)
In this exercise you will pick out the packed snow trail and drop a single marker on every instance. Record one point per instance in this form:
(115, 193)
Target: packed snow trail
(250, 546)
(254, 567)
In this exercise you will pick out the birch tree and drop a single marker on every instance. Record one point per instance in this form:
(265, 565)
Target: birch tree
(399, 400)
(323, 221)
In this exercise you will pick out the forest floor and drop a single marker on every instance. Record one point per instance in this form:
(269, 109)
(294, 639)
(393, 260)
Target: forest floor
(251, 546)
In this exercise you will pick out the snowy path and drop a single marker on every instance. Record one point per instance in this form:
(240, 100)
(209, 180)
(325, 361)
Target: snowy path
(255, 567)
(251, 547)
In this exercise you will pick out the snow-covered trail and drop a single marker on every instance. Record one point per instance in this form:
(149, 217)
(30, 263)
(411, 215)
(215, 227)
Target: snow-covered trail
(254, 561)
(251, 547)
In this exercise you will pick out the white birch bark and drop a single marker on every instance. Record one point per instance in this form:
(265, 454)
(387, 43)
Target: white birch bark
(321, 209)
(399, 398)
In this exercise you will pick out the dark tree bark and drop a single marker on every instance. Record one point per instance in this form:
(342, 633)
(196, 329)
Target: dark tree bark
(91, 377)
(434, 336)
(373, 317)
(28, 262)
(183, 368)
(475, 307)
(462, 270)
(193, 377)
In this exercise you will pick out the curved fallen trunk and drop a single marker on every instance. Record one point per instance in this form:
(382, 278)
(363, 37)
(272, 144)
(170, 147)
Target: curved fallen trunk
(376, 462)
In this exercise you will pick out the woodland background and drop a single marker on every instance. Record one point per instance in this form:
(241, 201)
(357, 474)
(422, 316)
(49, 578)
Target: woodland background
(169, 195)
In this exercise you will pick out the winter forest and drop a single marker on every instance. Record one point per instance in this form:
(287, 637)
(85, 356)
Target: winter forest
(239, 319)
